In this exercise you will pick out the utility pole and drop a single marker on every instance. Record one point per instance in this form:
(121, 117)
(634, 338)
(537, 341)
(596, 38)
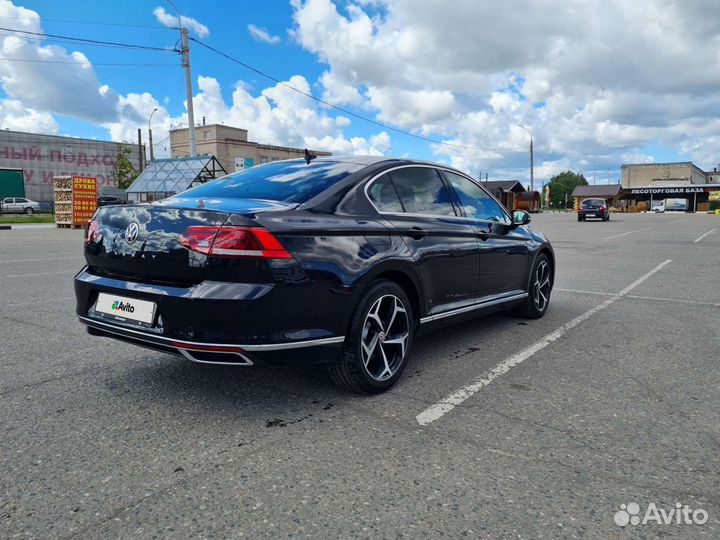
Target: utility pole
(185, 50)
(140, 150)
(152, 155)
(532, 158)
(188, 90)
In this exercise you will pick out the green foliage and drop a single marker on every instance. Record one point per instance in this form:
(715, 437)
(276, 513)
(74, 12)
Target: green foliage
(124, 172)
(562, 184)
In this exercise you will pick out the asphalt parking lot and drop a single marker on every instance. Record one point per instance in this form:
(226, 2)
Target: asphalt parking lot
(499, 428)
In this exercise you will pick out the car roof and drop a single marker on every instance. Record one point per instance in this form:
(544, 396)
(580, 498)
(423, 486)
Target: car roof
(374, 160)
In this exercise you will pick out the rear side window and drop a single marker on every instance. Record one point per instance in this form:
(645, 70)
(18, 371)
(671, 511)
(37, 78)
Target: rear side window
(422, 191)
(284, 181)
(384, 195)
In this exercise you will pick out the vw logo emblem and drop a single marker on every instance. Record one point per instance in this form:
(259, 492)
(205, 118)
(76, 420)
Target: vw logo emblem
(131, 233)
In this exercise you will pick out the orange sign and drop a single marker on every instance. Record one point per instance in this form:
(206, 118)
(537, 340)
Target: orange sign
(84, 198)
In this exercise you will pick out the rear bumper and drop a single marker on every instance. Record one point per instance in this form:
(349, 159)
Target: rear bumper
(294, 352)
(226, 323)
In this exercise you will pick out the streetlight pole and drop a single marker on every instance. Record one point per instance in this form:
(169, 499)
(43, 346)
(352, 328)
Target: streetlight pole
(532, 158)
(185, 49)
(152, 154)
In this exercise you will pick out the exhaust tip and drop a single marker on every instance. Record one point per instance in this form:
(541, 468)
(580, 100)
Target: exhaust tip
(222, 358)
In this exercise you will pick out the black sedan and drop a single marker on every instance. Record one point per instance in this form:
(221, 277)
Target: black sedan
(594, 208)
(335, 260)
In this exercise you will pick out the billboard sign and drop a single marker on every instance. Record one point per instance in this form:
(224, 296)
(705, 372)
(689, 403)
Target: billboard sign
(84, 198)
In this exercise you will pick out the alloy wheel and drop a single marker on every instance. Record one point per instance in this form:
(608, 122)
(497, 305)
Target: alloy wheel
(541, 286)
(384, 337)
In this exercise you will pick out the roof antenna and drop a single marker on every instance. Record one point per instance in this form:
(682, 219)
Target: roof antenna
(308, 156)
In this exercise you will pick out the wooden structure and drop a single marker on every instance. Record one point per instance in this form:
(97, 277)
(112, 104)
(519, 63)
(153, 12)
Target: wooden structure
(75, 200)
(505, 191)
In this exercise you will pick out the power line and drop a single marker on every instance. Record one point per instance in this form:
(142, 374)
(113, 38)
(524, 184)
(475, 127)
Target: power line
(97, 23)
(346, 111)
(91, 41)
(81, 63)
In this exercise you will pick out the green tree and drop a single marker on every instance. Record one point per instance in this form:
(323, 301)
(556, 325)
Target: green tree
(124, 172)
(563, 184)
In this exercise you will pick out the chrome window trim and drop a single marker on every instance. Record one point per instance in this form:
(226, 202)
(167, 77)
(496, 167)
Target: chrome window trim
(490, 301)
(372, 180)
(248, 348)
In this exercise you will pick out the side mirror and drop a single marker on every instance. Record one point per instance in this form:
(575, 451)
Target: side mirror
(520, 217)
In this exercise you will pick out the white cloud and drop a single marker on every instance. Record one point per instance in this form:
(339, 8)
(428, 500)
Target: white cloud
(596, 80)
(281, 116)
(170, 20)
(261, 34)
(38, 90)
(15, 116)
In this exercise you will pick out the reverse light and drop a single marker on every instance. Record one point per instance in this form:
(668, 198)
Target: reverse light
(231, 241)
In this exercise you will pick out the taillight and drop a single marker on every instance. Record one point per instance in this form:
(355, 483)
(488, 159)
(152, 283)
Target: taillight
(93, 232)
(602, 208)
(230, 241)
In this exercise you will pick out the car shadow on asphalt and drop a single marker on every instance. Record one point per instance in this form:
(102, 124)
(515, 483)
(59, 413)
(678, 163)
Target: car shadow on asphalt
(268, 392)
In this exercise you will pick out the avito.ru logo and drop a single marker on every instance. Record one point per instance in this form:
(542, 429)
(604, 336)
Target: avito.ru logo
(123, 306)
(682, 514)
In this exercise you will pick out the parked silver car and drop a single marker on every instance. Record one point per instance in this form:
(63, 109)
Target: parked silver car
(19, 205)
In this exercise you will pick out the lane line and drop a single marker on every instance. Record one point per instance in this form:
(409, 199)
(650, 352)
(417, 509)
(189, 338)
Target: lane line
(436, 411)
(704, 235)
(640, 297)
(623, 234)
(40, 260)
(41, 274)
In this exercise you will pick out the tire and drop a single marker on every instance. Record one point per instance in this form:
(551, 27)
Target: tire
(534, 307)
(579, 219)
(29, 211)
(374, 335)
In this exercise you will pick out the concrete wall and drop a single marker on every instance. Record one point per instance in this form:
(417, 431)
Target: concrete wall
(644, 175)
(41, 157)
(227, 143)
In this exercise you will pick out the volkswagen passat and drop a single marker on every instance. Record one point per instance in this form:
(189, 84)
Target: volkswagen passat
(336, 260)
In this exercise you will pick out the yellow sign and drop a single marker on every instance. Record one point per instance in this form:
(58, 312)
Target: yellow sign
(714, 196)
(84, 198)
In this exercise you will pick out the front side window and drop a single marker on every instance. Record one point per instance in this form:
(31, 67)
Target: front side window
(474, 200)
(422, 191)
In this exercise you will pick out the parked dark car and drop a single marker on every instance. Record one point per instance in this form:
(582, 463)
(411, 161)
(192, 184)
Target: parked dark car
(594, 208)
(108, 200)
(336, 260)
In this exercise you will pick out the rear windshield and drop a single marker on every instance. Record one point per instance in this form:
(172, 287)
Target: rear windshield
(593, 201)
(284, 181)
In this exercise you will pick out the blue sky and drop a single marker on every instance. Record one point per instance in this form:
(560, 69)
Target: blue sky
(410, 65)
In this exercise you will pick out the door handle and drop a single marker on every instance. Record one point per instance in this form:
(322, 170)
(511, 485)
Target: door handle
(483, 236)
(417, 233)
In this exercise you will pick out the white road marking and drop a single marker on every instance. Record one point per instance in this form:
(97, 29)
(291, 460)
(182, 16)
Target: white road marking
(639, 297)
(704, 235)
(677, 221)
(446, 405)
(623, 234)
(40, 260)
